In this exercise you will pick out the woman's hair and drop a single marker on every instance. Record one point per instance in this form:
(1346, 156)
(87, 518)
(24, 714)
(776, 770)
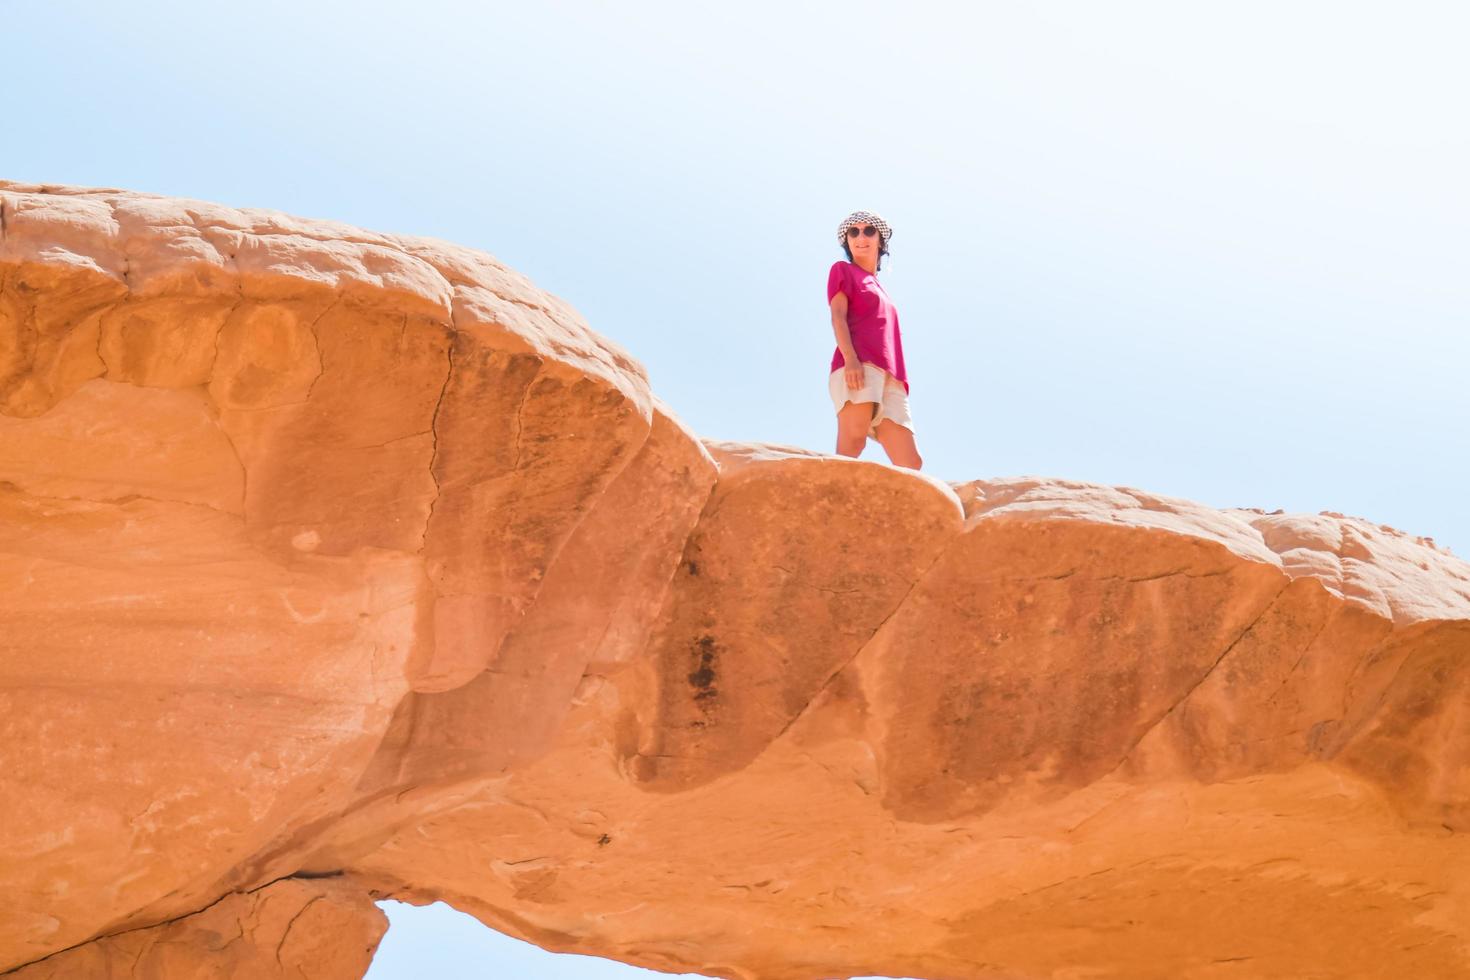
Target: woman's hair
(882, 251)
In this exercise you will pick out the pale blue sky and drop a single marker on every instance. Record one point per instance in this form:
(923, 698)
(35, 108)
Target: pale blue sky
(1215, 251)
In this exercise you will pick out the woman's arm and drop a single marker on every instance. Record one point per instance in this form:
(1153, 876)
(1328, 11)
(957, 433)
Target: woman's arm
(854, 367)
(839, 327)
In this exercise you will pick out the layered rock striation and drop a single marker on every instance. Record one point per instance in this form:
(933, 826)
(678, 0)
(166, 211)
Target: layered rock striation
(337, 566)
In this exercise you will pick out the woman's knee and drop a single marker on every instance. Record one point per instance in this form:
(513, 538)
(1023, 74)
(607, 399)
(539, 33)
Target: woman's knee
(851, 444)
(853, 424)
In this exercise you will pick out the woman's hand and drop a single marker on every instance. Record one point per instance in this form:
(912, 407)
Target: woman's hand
(853, 372)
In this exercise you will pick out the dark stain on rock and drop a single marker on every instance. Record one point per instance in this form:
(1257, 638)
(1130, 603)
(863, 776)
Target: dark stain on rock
(1319, 737)
(693, 567)
(604, 840)
(703, 675)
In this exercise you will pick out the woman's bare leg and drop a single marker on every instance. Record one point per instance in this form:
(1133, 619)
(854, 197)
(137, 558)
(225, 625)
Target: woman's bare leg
(853, 421)
(898, 442)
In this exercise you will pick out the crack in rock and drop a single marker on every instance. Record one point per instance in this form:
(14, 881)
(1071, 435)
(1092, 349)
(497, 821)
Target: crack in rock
(1202, 678)
(165, 922)
(434, 440)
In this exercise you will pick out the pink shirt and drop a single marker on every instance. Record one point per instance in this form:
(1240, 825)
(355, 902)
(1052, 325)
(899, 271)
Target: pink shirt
(872, 320)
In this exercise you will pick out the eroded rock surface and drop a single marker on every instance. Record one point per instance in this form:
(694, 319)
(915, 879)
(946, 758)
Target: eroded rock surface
(289, 928)
(326, 552)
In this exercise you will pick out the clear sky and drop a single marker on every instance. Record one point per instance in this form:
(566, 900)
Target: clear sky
(1218, 251)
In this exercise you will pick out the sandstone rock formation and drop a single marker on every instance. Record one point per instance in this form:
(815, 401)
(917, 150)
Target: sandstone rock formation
(287, 928)
(337, 565)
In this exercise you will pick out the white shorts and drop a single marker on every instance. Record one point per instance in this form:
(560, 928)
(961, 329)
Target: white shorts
(879, 387)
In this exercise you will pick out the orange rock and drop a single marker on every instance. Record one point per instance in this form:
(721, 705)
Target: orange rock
(330, 551)
(288, 928)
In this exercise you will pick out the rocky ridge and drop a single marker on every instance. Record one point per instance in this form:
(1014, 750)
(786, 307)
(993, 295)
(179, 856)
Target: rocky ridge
(339, 565)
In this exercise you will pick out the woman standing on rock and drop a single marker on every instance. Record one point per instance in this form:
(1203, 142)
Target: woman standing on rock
(868, 384)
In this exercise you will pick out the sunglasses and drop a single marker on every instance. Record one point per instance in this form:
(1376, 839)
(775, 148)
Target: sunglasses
(867, 230)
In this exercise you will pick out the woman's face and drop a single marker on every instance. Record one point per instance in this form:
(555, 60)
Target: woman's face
(864, 245)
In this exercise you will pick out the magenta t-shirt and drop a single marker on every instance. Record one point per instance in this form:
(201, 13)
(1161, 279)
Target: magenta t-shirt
(872, 320)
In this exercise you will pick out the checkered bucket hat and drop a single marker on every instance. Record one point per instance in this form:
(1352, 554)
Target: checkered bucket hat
(859, 218)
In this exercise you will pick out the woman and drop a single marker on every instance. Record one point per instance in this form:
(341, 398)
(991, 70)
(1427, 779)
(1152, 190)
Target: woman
(869, 386)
